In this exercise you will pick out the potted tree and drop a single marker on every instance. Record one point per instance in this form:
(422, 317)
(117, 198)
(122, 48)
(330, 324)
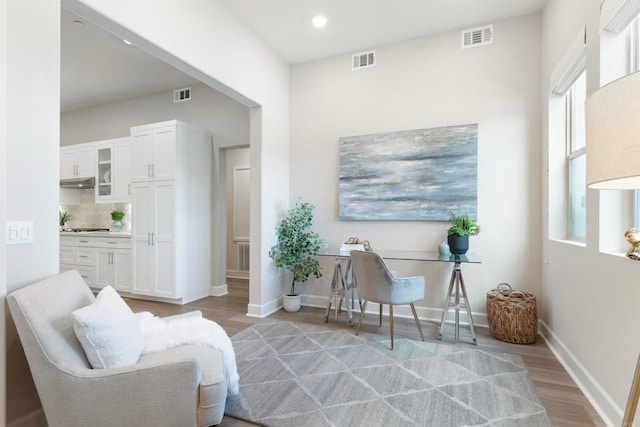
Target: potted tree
(296, 249)
(458, 235)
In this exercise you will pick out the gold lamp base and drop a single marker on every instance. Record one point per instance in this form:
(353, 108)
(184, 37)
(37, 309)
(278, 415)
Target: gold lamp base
(632, 403)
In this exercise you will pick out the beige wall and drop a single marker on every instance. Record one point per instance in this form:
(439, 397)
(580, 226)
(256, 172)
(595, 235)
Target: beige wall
(30, 175)
(208, 109)
(423, 83)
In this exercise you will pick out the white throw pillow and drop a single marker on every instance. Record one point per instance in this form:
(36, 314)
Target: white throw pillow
(108, 331)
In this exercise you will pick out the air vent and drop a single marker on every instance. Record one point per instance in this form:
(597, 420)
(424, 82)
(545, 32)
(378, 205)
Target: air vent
(243, 256)
(477, 37)
(363, 60)
(181, 95)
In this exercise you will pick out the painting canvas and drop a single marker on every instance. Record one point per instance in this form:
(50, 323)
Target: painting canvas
(422, 174)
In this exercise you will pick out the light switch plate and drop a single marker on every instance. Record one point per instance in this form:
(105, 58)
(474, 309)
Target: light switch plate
(19, 232)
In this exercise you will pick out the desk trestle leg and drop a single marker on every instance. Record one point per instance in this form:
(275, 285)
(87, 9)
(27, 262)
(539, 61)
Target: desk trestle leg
(456, 304)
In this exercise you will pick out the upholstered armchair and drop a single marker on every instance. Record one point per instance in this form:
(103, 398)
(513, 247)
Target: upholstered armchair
(376, 283)
(183, 386)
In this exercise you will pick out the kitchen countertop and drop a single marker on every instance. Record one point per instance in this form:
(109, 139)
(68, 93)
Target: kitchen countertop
(96, 234)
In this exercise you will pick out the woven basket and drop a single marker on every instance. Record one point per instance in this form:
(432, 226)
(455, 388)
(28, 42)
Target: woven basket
(512, 315)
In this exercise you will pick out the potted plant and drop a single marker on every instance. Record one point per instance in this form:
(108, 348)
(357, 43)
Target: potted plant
(117, 216)
(63, 217)
(458, 235)
(296, 249)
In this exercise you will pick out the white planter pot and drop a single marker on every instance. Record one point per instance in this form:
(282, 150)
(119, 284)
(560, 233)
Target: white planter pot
(292, 303)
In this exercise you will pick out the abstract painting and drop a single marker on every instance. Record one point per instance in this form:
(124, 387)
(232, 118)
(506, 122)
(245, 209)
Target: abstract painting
(422, 174)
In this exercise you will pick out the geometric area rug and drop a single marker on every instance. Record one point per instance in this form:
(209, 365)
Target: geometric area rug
(294, 374)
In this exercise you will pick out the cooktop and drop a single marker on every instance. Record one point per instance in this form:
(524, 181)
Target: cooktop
(85, 229)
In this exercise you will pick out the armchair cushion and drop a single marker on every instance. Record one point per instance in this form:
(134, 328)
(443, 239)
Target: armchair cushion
(108, 331)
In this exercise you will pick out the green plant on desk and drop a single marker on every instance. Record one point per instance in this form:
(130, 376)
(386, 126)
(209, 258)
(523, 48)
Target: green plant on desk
(462, 225)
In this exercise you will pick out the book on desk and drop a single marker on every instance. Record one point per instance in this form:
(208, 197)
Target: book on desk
(346, 248)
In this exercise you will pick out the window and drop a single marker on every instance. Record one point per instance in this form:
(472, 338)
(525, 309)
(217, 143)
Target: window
(576, 157)
(634, 65)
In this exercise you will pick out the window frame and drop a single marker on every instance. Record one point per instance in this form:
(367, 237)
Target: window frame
(572, 153)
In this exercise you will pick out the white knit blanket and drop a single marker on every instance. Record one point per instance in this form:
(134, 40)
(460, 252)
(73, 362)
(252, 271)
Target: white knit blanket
(163, 334)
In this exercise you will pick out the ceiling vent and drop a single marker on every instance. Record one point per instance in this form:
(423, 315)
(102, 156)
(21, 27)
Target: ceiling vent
(477, 37)
(363, 60)
(181, 95)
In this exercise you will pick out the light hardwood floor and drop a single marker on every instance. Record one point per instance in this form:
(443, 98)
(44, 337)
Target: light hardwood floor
(565, 403)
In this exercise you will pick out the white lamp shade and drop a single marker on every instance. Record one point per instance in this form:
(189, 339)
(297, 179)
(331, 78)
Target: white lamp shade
(613, 135)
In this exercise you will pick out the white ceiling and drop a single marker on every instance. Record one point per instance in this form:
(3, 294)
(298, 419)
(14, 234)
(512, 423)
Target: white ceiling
(356, 25)
(97, 68)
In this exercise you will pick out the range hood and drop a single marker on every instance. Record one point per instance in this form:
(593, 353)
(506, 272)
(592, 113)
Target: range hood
(78, 183)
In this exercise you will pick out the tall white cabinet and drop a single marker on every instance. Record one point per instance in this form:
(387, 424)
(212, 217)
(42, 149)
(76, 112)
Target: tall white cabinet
(171, 204)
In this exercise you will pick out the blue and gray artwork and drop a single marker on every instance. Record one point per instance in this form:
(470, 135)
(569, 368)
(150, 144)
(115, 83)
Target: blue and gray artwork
(420, 174)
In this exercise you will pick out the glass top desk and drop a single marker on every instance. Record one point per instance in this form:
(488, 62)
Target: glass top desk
(343, 283)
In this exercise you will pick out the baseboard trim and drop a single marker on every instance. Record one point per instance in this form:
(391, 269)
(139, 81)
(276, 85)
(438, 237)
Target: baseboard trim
(264, 310)
(32, 419)
(237, 274)
(597, 396)
(424, 313)
(218, 291)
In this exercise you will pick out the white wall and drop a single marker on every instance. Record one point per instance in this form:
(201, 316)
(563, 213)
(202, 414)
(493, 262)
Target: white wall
(424, 83)
(208, 109)
(28, 183)
(591, 314)
(220, 51)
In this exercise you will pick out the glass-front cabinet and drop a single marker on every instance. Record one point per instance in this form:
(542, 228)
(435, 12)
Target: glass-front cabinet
(113, 178)
(104, 187)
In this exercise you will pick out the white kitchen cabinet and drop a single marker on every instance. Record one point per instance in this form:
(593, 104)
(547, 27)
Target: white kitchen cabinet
(101, 260)
(77, 161)
(113, 263)
(153, 235)
(171, 218)
(154, 152)
(113, 180)
(77, 253)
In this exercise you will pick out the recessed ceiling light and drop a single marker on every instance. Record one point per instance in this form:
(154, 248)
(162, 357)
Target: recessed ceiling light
(319, 21)
(79, 23)
(126, 42)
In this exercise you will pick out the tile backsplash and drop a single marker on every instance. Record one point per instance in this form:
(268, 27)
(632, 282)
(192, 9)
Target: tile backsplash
(91, 214)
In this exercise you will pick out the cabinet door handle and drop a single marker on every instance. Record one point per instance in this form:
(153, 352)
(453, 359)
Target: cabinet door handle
(149, 169)
(112, 243)
(129, 190)
(148, 239)
(153, 169)
(153, 238)
(83, 241)
(83, 256)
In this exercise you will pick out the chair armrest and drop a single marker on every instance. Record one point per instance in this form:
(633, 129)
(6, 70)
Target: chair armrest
(161, 393)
